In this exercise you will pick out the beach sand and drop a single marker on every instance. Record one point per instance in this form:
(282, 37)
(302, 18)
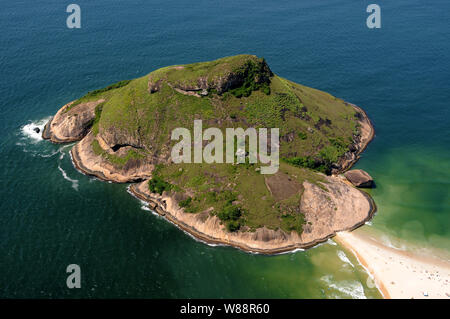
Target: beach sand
(398, 273)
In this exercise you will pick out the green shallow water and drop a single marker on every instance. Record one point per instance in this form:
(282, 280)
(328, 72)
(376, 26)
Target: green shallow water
(52, 216)
(413, 197)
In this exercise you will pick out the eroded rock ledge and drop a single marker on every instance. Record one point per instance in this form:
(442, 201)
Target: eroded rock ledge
(85, 160)
(340, 207)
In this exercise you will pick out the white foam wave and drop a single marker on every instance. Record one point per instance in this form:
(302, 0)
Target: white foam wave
(73, 181)
(387, 242)
(29, 138)
(47, 155)
(60, 150)
(342, 256)
(145, 207)
(331, 242)
(354, 289)
(29, 132)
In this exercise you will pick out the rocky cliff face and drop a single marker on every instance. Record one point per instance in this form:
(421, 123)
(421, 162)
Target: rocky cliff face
(360, 142)
(116, 138)
(337, 207)
(71, 123)
(328, 210)
(252, 71)
(91, 163)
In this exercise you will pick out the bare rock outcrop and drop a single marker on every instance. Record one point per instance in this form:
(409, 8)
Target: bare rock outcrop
(256, 70)
(90, 163)
(359, 178)
(71, 123)
(337, 207)
(334, 207)
(361, 140)
(115, 138)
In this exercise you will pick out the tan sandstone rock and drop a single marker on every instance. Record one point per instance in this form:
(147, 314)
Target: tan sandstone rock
(359, 178)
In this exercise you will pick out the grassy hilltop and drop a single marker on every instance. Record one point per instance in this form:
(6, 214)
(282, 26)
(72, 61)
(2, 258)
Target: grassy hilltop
(316, 130)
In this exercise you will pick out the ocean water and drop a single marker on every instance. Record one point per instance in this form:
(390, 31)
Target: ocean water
(52, 216)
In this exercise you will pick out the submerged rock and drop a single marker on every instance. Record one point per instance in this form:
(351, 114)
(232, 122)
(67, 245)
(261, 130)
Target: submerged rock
(359, 178)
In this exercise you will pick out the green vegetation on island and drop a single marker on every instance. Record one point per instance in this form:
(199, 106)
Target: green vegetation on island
(316, 131)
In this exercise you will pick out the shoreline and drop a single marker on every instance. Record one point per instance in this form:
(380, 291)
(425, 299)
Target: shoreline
(398, 274)
(105, 173)
(160, 209)
(84, 170)
(48, 134)
(346, 165)
(279, 242)
(158, 206)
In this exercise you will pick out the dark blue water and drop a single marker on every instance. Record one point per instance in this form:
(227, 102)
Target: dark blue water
(52, 216)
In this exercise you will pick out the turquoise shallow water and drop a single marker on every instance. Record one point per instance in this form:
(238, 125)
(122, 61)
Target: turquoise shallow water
(52, 216)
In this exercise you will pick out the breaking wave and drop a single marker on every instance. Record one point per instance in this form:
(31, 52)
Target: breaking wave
(353, 289)
(29, 132)
(342, 256)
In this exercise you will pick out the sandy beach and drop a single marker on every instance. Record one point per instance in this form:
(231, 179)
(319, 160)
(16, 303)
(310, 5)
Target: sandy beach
(399, 274)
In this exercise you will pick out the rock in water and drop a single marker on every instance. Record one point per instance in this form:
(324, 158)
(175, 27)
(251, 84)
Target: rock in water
(37, 129)
(359, 178)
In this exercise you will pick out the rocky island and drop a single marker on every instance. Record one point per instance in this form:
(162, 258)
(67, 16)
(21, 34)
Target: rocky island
(124, 134)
